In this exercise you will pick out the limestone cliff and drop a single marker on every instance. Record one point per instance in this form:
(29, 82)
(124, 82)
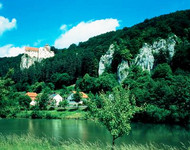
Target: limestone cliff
(145, 59)
(146, 56)
(122, 71)
(33, 55)
(27, 61)
(106, 60)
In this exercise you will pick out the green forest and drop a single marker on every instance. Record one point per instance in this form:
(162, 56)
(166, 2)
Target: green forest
(163, 93)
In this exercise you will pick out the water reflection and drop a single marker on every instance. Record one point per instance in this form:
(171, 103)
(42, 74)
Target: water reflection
(90, 131)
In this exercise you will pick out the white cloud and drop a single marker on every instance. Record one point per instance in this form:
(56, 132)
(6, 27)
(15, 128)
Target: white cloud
(85, 30)
(5, 24)
(10, 51)
(1, 5)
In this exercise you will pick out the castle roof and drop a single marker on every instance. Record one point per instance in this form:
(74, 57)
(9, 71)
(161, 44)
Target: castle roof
(31, 49)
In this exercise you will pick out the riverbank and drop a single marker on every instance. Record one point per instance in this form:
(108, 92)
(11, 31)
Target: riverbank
(24, 142)
(53, 114)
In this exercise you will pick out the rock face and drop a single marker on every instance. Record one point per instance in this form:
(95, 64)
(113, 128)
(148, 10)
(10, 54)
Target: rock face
(165, 45)
(27, 61)
(145, 58)
(33, 55)
(106, 60)
(122, 70)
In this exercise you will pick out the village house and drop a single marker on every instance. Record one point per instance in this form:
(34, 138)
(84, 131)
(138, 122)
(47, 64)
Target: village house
(33, 96)
(71, 101)
(55, 99)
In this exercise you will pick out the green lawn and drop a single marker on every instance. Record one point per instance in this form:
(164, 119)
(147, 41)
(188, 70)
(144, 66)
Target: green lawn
(54, 114)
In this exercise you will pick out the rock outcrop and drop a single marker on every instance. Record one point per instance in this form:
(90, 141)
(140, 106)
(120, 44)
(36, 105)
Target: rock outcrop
(27, 61)
(123, 70)
(165, 45)
(106, 60)
(145, 58)
(33, 55)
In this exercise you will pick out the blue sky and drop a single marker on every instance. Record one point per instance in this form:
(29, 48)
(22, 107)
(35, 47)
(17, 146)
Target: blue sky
(62, 22)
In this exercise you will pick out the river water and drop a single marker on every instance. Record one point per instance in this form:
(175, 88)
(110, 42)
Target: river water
(90, 131)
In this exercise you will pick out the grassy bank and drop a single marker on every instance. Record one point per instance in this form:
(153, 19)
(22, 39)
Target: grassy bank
(77, 114)
(30, 142)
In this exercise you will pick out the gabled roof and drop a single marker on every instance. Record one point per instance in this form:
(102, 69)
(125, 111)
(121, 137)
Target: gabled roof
(83, 95)
(31, 94)
(53, 95)
(31, 49)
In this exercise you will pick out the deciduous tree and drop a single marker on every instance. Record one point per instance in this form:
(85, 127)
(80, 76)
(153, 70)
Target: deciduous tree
(117, 110)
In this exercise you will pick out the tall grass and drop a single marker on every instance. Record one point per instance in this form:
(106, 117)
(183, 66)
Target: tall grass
(30, 142)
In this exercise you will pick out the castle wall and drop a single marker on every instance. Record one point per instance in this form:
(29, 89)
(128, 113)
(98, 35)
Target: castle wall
(45, 53)
(41, 53)
(32, 53)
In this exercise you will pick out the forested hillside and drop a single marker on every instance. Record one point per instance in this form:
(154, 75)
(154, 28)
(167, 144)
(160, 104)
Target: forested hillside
(164, 91)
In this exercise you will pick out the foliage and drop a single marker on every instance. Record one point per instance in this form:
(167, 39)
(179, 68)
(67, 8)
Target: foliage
(38, 87)
(24, 101)
(162, 71)
(181, 58)
(8, 108)
(63, 103)
(77, 96)
(166, 96)
(97, 100)
(42, 101)
(123, 107)
(36, 114)
(104, 83)
(60, 79)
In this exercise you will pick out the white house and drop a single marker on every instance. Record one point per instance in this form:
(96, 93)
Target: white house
(70, 98)
(55, 99)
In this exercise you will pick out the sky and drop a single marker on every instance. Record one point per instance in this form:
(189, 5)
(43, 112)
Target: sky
(60, 23)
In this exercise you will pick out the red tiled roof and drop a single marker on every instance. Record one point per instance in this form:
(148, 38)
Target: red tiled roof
(31, 49)
(82, 94)
(31, 94)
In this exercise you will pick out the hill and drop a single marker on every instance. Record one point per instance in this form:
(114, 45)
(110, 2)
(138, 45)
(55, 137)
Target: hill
(84, 58)
(151, 58)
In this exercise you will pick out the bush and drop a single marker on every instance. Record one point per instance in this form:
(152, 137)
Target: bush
(50, 116)
(61, 109)
(51, 108)
(37, 115)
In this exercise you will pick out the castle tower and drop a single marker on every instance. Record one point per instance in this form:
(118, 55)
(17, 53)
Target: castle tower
(47, 47)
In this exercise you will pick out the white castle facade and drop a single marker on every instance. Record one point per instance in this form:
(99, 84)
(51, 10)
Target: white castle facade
(41, 53)
(32, 55)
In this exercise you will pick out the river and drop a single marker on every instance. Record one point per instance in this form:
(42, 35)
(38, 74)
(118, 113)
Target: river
(86, 130)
